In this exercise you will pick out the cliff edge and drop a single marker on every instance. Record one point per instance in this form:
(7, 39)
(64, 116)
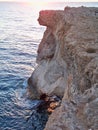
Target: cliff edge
(68, 67)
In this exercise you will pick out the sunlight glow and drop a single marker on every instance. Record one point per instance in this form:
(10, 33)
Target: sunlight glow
(37, 3)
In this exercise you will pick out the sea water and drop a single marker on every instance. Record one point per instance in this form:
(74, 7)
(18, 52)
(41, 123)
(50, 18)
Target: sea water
(20, 35)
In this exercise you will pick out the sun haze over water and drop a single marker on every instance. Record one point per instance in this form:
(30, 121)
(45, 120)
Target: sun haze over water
(53, 0)
(43, 4)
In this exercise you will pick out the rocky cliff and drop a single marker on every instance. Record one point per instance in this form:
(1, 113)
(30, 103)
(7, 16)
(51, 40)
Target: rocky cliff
(68, 67)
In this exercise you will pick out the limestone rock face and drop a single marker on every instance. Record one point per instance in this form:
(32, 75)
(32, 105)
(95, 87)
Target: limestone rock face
(77, 112)
(68, 67)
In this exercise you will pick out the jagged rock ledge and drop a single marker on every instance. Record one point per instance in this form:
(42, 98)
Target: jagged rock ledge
(68, 67)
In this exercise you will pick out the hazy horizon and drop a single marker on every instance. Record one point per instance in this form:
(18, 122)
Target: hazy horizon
(33, 1)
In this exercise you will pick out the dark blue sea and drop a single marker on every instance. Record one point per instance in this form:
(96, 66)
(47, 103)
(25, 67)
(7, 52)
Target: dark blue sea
(20, 35)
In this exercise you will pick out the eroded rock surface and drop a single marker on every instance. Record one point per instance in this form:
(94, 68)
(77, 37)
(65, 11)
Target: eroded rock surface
(68, 67)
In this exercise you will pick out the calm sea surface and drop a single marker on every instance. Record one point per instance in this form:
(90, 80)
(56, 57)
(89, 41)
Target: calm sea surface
(20, 35)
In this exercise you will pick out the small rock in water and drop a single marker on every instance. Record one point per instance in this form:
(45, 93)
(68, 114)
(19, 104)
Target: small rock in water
(40, 112)
(51, 102)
